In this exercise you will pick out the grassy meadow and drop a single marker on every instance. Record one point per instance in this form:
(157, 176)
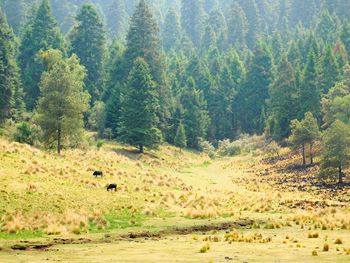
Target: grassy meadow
(170, 204)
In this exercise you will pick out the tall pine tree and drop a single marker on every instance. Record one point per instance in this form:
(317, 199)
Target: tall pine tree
(88, 41)
(193, 20)
(252, 97)
(283, 100)
(139, 121)
(41, 33)
(196, 118)
(310, 93)
(10, 85)
(143, 41)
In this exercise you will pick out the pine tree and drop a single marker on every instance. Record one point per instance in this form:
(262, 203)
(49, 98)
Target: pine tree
(217, 21)
(209, 41)
(41, 33)
(252, 98)
(310, 94)
(302, 11)
(11, 100)
(345, 35)
(196, 118)
(256, 25)
(139, 121)
(336, 154)
(330, 72)
(180, 137)
(326, 27)
(117, 19)
(88, 42)
(193, 20)
(143, 41)
(283, 100)
(201, 75)
(114, 88)
(171, 30)
(16, 12)
(62, 10)
(63, 101)
(237, 26)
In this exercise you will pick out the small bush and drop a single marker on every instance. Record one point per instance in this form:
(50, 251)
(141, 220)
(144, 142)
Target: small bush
(326, 247)
(99, 144)
(313, 235)
(338, 241)
(206, 146)
(26, 133)
(227, 148)
(314, 253)
(205, 248)
(273, 149)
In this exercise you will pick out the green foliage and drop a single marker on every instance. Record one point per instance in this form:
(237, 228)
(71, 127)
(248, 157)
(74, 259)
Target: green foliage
(310, 92)
(336, 102)
(252, 98)
(88, 42)
(117, 19)
(99, 144)
(227, 148)
(63, 101)
(26, 133)
(139, 121)
(9, 78)
(16, 11)
(180, 137)
(272, 149)
(97, 117)
(329, 72)
(336, 152)
(196, 118)
(304, 132)
(192, 20)
(41, 33)
(283, 101)
(171, 30)
(143, 41)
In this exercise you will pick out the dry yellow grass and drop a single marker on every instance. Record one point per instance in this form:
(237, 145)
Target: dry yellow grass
(57, 195)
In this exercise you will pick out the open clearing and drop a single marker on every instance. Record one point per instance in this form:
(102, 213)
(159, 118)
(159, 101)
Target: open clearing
(170, 206)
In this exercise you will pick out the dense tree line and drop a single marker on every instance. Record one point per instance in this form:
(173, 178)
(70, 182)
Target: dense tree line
(182, 71)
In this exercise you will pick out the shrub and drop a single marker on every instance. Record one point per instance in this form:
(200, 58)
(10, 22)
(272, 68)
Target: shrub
(272, 149)
(325, 247)
(227, 148)
(205, 248)
(26, 133)
(206, 146)
(99, 144)
(338, 241)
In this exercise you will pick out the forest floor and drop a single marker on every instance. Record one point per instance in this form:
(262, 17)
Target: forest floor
(170, 206)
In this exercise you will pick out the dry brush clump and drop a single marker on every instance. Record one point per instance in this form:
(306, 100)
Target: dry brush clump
(324, 219)
(236, 236)
(70, 221)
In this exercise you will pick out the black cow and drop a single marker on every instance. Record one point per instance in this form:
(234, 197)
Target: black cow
(111, 187)
(98, 173)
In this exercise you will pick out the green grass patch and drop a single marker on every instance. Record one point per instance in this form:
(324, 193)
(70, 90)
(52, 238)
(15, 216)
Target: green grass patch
(22, 235)
(119, 221)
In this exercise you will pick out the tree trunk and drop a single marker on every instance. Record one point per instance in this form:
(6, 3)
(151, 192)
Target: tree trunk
(311, 154)
(59, 140)
(141, 148)
(303, 152)
(340, 175)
